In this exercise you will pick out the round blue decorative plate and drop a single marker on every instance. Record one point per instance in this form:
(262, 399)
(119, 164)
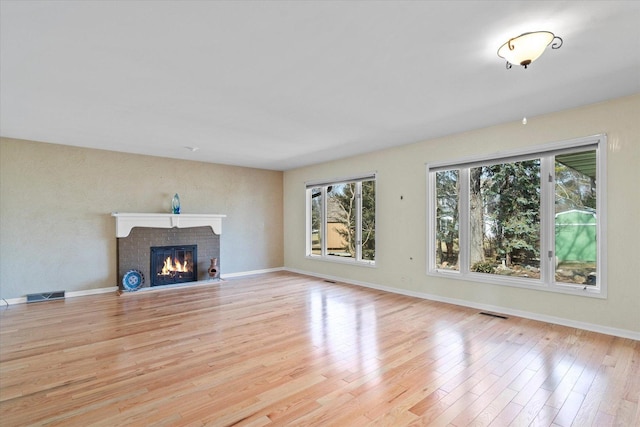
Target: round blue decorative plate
(132, 280)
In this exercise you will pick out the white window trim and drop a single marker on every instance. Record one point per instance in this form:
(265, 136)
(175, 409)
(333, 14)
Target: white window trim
(547, 206)
(357, 260)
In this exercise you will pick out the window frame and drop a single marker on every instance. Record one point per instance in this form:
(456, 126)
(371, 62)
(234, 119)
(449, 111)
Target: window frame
(323, 185)
(546, 153)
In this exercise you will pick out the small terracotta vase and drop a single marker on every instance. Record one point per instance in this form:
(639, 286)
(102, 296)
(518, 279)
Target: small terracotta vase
(213, 268)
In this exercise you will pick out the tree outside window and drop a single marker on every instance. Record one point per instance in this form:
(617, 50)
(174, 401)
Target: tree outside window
(535, 219)
(342, 220)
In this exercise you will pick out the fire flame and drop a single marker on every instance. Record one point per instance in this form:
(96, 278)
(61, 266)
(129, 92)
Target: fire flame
(171, 267)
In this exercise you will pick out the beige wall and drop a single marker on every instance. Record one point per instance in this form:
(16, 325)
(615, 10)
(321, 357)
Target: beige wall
(401, 223)
(56, 229)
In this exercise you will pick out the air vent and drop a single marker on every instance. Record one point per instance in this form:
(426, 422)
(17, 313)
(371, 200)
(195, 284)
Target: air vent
(484, 313)
(45, 296)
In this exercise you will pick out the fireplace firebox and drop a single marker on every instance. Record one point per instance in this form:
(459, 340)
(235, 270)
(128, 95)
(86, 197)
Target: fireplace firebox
(173, 264)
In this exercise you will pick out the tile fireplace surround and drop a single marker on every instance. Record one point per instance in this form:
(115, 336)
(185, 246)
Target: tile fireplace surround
(138, 232)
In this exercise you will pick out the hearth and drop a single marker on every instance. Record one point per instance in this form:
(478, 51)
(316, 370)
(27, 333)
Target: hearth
(173, 264)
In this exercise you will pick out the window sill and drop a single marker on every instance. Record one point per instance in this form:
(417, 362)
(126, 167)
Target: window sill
(339, 260)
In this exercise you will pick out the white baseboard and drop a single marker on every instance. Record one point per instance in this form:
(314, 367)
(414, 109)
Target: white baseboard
(91, 292)
(71, 294)
(251, 273)
(12, 301)
(623, 333)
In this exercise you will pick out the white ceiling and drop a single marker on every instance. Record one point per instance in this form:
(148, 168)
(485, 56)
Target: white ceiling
(283, 84)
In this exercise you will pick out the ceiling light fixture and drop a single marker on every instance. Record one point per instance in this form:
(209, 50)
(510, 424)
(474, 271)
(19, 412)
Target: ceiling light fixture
(527, 47)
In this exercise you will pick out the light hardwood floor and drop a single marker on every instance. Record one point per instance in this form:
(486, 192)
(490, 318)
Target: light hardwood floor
(286, 349)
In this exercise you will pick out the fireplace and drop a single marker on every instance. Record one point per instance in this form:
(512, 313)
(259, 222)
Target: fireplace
(137, 233)
(173, 264)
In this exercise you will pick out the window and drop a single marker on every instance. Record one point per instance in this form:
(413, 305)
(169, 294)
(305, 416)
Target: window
(341, 220)
(528, 219)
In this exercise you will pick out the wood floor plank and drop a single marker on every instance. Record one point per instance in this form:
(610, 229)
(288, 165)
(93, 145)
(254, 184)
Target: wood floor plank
(287, 349)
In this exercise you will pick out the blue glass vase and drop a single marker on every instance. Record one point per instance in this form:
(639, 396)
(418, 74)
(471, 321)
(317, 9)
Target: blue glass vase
(175, 204)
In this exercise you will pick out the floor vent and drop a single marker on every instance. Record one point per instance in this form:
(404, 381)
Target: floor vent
(45, 296)
(493, 315)
(330, 281)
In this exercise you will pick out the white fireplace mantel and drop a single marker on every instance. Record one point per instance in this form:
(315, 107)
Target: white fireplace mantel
(126, 221)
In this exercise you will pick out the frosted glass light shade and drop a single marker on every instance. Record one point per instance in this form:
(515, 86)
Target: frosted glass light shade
(525, 48)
